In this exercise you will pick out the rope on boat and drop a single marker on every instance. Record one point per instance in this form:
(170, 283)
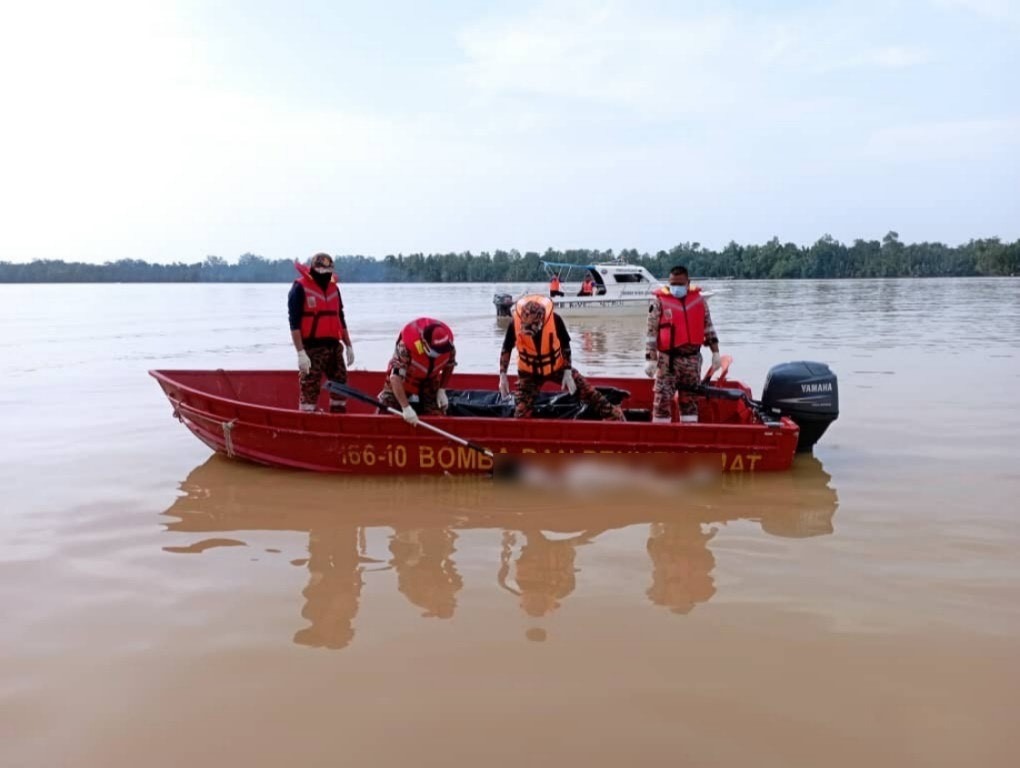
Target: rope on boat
(228, 428)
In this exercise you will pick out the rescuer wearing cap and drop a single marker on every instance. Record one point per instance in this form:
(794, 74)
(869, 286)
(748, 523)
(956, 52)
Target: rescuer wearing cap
(317, 326)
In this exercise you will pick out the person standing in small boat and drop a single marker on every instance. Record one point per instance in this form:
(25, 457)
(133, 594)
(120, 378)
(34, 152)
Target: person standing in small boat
(555, 289)
(317, 328)
(543, 354)
(422, 363)
(679, 324)
(587, 286)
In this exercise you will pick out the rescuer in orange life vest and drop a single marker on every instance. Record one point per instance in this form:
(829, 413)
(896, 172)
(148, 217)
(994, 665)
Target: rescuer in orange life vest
(679, 324)
(317, 326)
(422, 363)
(554, 285)
(543, 354)
(587, 286)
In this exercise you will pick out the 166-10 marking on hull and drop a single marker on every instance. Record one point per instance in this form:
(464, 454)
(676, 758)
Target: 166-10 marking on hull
(459, 458)
(368, 455)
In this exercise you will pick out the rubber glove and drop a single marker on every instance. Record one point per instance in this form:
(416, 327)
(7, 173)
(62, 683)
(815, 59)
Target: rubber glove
(442, 400)
(568, 381)
(504, 385)
(716, 361)
(651, 367)
(350, 354)
(304, 362)
(410, 416)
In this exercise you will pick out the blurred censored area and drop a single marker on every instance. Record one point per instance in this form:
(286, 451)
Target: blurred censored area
(623, 474)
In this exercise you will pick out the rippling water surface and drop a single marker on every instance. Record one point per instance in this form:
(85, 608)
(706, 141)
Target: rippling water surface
(164, 607)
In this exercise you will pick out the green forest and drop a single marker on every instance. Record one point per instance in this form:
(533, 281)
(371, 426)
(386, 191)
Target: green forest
(827, 258)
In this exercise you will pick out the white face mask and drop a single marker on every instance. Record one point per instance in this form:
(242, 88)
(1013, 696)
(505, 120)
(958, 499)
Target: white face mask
(678, 291)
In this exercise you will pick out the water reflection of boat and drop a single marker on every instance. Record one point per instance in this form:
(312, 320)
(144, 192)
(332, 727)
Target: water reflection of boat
(540, 534)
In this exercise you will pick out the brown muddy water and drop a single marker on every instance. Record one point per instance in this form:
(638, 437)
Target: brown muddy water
(162, 607)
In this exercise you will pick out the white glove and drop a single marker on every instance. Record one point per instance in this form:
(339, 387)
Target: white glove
(716, 361)
(350, 354)
(504, 385)
(410, 416)
(304, 362)
(442, 400)
(568, 381)
(651, 368)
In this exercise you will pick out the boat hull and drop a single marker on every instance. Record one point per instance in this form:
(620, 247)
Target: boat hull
(636, 306)
(252, 415)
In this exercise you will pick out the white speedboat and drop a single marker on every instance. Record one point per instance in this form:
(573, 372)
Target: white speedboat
(620, 289)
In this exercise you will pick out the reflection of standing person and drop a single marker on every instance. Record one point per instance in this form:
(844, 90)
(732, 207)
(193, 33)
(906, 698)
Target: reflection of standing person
(426, 573)
(678, 325)
(543, 354)
(554, 285)
(682, 565)
(544, 570)
(334, 587)
(317, 326)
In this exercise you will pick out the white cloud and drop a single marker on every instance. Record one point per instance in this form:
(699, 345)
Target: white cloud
(996, 9)
(688, 64)
(606, 55)
(897, 57)
(934, 141)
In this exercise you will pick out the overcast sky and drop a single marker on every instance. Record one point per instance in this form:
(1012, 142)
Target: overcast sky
(172, 130)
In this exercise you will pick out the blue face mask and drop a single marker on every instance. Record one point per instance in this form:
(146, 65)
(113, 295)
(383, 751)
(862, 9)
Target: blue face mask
(678, 291)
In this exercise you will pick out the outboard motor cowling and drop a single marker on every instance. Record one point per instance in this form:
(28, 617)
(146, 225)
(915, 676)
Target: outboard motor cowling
(808, 393)
(504, 304)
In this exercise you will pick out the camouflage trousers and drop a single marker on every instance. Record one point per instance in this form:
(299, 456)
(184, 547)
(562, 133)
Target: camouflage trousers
(328, 362)
(528, 387)
(427, 404)
(675, 377)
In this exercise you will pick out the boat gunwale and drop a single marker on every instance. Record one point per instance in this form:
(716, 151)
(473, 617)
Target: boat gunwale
(237, 404)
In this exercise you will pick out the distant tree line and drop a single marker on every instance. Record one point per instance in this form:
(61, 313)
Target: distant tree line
(827, 258)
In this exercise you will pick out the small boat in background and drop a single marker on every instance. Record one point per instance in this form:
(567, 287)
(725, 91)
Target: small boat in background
(619, 289)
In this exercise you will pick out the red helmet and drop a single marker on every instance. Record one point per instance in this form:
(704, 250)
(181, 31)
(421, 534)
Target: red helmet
(438, 337)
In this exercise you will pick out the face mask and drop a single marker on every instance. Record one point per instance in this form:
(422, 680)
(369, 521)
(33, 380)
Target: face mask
(678, 291)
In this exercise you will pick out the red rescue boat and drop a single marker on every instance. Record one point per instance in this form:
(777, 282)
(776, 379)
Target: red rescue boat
(252, 415)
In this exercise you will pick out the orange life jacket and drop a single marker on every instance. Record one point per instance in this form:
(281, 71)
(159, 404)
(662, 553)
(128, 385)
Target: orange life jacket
(422, 367)
(682, 321)
(320, 318)
(545, 357)
(554, 284)
(588, 286)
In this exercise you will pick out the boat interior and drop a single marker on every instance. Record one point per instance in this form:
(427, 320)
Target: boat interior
(470, 395)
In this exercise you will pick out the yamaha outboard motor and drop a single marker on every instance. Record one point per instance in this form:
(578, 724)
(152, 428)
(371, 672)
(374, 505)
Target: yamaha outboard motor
(808, 393)
(504, 304)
